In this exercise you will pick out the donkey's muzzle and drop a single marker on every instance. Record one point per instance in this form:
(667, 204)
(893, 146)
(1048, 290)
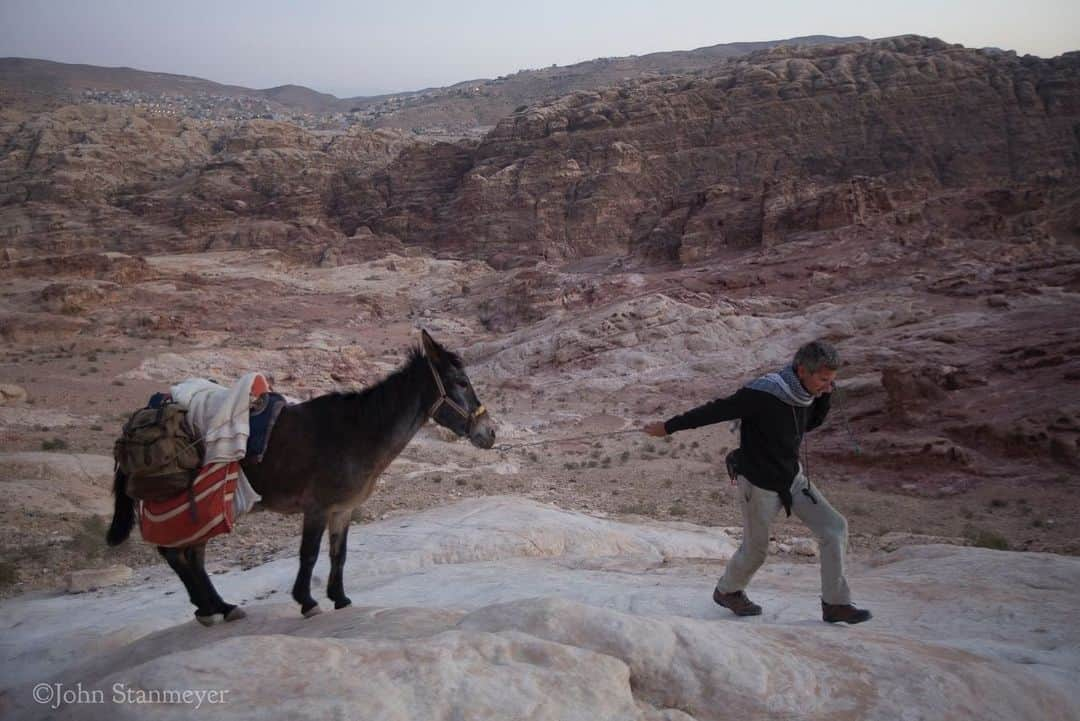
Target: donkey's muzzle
(482, 431)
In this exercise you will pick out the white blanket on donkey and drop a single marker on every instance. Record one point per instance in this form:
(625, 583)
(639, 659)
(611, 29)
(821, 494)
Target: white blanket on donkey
(220, 416)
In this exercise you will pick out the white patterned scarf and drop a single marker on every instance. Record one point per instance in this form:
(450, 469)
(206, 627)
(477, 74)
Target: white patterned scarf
(785, 385)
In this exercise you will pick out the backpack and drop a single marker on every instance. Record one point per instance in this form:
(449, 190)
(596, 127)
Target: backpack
(158, 453)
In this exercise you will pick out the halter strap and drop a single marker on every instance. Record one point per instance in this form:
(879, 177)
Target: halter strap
(470, 418)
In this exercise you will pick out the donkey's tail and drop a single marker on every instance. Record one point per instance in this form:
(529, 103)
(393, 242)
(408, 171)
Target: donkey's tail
(124, 513)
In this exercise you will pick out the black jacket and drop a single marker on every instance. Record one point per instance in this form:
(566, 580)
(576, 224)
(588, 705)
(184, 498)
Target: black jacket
(769, 436)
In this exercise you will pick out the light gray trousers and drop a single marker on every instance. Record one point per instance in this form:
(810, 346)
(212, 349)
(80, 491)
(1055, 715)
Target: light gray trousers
(759, 507)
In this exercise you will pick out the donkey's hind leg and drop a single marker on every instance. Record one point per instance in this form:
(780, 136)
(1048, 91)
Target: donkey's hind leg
(339, 533)
(178, 561)
(314, 525)
(197, 559)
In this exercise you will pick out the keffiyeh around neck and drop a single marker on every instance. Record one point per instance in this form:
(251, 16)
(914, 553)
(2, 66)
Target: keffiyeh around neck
(785, 385)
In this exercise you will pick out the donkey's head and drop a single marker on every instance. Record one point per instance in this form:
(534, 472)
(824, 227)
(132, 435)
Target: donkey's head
(456, 406)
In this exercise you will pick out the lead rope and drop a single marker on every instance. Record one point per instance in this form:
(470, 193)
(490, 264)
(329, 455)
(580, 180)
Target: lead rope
(504, 447)
(847, 425)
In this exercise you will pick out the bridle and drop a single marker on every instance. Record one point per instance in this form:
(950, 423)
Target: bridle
(443, 399)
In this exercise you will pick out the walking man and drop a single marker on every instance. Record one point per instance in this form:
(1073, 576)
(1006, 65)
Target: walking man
(776, 410)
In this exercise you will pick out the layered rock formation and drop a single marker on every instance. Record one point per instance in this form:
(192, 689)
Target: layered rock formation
(784, 142)
(107, 178)
(907, 137)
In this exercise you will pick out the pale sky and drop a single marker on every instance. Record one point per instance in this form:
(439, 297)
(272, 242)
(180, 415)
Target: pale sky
(359, 47)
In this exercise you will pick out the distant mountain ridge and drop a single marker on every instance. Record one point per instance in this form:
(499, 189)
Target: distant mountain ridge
(469, 103)
(481, 103)
(27, 77)
(47, 76)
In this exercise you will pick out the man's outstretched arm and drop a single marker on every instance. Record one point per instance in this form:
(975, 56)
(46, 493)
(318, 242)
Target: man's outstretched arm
(738, 405)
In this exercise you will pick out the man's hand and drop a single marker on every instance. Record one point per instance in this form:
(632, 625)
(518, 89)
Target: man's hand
(655, 429)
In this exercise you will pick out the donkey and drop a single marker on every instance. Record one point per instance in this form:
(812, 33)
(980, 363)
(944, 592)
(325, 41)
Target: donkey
(323, 459)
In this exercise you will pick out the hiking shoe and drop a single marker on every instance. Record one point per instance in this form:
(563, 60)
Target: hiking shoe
(737, 601)
(845, 612)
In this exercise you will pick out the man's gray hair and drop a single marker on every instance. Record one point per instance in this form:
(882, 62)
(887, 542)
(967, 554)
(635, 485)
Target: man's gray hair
(817, 354)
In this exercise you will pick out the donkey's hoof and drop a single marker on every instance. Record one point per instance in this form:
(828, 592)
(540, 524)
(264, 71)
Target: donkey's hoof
(210, 619)
(235, 614)
(342, 603)
(313, 611)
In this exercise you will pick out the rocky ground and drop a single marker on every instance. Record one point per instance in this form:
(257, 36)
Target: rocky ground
(957, 418)
(602, 259)
(503, 607)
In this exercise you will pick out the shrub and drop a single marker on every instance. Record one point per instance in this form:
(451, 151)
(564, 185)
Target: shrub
(9, 574)
(637, 509)
(983, 538)
(54, 444)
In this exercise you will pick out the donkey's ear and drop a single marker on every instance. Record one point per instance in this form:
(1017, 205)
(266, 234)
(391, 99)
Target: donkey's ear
(431, 349)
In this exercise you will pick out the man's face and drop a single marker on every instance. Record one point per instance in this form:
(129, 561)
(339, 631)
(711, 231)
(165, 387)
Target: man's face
(818, 382)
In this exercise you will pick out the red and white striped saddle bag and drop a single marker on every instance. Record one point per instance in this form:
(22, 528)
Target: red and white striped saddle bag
(194, 517)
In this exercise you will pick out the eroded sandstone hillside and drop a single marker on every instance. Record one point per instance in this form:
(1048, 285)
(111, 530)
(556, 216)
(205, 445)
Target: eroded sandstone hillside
(908, 139)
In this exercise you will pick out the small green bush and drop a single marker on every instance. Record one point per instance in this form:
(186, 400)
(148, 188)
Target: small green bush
(9, 574)
(984, 538)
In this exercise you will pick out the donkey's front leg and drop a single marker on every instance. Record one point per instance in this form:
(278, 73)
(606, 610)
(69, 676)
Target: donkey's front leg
(339, 533)
(314, 525)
